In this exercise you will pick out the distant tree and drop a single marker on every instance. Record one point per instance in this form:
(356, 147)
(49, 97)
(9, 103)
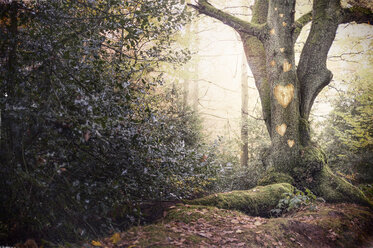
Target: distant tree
(287, 91)
(244, 115)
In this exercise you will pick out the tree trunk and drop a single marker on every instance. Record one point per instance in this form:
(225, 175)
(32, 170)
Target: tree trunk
(284, 87)
(244, 115)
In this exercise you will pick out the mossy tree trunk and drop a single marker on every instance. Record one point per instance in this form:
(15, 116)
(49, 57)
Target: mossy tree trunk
(287, 92)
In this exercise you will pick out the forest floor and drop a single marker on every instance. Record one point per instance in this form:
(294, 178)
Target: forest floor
(182, 225)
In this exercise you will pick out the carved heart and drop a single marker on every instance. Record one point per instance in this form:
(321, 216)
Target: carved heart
(284, 94)
(286, 66)
(281, 129)
(291, 143)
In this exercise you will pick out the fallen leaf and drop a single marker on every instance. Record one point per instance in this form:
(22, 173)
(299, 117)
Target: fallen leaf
(96, 243)
(115, 238)
(234, 221)
(257, 223)
(205, 235)
(239, 231)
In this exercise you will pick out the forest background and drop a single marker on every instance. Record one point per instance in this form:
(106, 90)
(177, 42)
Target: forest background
(107, 106)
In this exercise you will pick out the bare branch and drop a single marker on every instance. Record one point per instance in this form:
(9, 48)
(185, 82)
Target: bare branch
(239, 25)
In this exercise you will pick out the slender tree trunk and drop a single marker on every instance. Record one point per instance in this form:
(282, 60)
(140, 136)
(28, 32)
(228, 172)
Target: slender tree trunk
(244, 115)
(185, 92)
(195, 92)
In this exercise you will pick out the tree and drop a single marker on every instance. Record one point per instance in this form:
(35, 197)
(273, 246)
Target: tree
(287, 92)
(244, 116)
(348, 131)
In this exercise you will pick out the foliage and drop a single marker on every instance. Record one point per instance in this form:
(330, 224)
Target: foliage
(355, 114)
(368, 190)
(348, 135)
(86, 133)
(232, 176)
(294, 200)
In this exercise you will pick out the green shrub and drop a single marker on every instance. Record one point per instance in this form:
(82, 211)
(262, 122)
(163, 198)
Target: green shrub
(295, 200)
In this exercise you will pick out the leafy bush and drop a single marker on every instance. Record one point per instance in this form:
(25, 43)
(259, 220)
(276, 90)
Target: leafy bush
(232, 175)
(293, 201)
(86, 133)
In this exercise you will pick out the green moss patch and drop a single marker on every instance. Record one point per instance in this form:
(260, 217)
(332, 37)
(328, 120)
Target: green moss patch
(271, 177)
(336, 189)
(257, 201)
(189, 213)
(367, 190)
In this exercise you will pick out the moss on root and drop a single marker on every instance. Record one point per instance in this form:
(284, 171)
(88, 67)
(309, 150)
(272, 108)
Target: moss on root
(257, 201)
(336, 189)
(314, 173)
(190, 213)
(271, 177)
(312, 160)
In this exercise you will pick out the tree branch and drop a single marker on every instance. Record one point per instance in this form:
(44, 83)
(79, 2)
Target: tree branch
(312, 71)
(300, 23)
(239, 25)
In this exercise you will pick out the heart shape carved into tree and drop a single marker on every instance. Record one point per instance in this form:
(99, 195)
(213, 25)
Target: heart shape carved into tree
(281, 129)
(284, 94)
(291, 143)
